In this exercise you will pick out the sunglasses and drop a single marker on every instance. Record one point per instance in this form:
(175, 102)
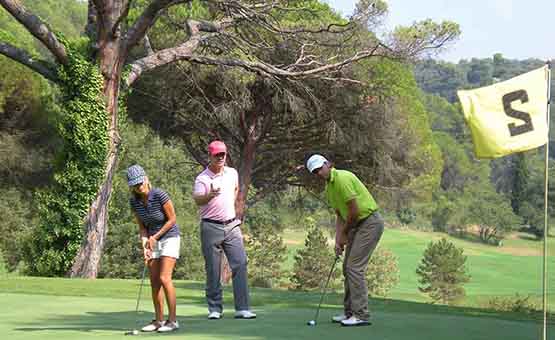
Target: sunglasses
(219, 155)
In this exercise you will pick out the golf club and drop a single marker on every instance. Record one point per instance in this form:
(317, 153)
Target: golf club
(135, 331)
(313, 322)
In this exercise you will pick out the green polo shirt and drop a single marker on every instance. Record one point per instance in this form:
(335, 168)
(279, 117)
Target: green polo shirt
(344, 186)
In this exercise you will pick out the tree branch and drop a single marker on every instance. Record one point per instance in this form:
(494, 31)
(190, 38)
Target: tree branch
(37, 28)
(148, 46)
(122, 17)
(137, 32)
(22, 57)
(163, 57)
(185, 52)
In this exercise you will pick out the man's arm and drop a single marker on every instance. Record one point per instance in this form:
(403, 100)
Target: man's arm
(352, 215)
(340, 236)
(203, 199)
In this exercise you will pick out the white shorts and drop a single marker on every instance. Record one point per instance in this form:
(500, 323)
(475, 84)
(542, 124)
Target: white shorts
(167, 247)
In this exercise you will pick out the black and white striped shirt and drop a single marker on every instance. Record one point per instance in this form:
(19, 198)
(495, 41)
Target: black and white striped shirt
(152, 215)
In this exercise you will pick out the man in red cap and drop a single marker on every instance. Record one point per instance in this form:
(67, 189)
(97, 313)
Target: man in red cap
(215, 193)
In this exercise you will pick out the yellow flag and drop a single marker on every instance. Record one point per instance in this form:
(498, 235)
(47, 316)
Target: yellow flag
(508, 117)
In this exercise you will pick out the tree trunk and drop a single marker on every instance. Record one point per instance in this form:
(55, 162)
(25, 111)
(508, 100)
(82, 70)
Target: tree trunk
(245, 173)
(87, 261)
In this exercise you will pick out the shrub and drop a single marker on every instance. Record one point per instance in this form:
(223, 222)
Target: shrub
(406, 215)
(442, 272)
(516, 304)
(266, 252)
(313, 262)
(383, 272)
(3, 267)
(16, 229)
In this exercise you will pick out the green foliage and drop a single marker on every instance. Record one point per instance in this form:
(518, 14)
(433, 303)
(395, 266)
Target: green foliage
(400, 135)
(383, 272)
(406, 215)
(424, 31)
(3, 265)
(18, 219)
(312, 262)
(264, 214)
(444, 79)
(265, 249)
(70, 19)
(520, 182)
(444, 209)
(482, 206)
(516, 304)
(442, 272)
(83, 127)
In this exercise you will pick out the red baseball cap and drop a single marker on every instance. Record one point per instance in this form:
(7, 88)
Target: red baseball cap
(216, 147)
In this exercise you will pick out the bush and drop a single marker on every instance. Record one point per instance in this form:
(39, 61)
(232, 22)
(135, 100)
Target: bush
(18, 219)
(266, 252)
(3, 268)
(383, 272)
(314, 261)
(516, 304)
(406, 215)
(442, 272)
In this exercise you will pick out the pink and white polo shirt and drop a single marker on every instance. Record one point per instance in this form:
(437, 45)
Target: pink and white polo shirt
(221, 207)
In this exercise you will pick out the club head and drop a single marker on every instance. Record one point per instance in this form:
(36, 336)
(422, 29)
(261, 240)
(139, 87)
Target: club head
(311, 323)
(133, 332)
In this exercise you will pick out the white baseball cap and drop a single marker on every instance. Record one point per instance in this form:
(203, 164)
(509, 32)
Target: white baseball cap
(315, 162)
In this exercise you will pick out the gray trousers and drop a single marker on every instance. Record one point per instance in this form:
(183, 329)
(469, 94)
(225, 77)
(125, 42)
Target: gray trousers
(216, 239)
(362, 241)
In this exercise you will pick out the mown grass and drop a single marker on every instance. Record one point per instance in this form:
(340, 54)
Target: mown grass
(56, 308)
(516, 267)
(60, 308)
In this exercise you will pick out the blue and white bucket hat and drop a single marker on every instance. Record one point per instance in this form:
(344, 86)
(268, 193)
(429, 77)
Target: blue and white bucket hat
(135, 175)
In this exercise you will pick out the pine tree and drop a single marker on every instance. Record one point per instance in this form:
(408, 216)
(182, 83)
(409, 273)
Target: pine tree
(442, 272)
(383, 272)
(314, 261)
(266, 252)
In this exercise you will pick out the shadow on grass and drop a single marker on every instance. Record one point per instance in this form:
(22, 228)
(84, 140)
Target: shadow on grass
(392, 320)
(283, 315)
(295, 299)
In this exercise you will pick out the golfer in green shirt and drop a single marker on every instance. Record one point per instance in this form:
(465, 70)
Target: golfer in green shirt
(359, 228)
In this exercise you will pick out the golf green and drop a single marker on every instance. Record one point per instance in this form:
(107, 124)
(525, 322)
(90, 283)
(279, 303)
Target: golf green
(105, 316)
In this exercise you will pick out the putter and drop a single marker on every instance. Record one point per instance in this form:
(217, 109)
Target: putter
(313, 322)
(135, 331)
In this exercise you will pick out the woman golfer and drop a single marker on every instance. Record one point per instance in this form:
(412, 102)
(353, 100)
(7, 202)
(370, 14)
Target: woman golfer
(155, 216)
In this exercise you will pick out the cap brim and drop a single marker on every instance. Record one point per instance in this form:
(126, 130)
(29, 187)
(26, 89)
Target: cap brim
(318, 165)
(136, 181)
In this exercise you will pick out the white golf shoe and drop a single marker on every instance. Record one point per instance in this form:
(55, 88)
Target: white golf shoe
(215, 315)
(153, 326)
(244, 314)
(169, 326)
(354, 321)
(339, 318)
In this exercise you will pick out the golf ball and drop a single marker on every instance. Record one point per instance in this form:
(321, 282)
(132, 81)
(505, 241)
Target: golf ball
(135, 332)
(312, 323)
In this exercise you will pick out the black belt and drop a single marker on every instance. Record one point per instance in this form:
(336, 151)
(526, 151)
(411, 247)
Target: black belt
(359, 222)
(209, 220)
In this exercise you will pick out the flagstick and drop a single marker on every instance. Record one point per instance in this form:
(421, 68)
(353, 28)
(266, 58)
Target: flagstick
(545, 205)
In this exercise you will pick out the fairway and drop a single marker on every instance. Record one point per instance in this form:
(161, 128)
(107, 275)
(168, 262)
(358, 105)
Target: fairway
(104, 309)
(494, 271)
